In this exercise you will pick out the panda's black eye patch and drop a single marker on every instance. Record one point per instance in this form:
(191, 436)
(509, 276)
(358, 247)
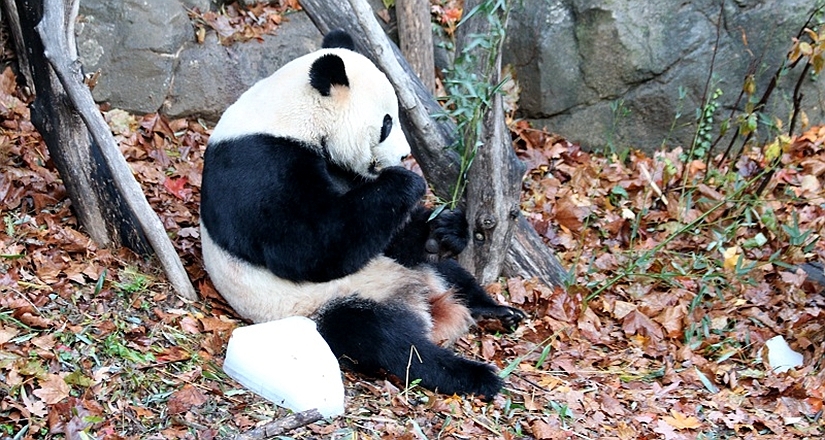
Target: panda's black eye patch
(386, 128)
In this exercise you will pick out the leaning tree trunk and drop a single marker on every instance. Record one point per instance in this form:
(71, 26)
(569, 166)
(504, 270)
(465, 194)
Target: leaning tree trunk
(105, 196)
(67, 138)
(527, 255)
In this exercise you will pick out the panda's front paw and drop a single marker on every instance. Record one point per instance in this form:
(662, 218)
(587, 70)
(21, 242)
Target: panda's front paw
(402, 181)
(450, 232)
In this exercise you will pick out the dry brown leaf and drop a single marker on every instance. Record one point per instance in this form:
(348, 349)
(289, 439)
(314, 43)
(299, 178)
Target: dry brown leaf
(542, 430)
(681, 421)
(184, 399)
(7, 333)
(672, 319)
(190, 325)
(518, 293)
(52, 390)
(637, 323)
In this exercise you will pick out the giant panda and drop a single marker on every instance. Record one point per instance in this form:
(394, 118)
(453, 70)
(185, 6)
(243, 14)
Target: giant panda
(306, 211)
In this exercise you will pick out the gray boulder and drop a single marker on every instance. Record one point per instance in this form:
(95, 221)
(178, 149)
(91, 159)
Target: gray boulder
(149, 61)
(209, 76)
(574, 58)
(134, 44)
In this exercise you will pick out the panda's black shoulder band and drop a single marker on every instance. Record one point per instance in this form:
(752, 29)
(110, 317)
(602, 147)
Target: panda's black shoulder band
(338, 38)
(328, 71)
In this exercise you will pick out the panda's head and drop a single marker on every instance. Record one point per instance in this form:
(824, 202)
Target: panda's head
(333, 99)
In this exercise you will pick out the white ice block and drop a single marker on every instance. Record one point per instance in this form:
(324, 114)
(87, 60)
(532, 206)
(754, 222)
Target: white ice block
(287, 362)
(781, 357)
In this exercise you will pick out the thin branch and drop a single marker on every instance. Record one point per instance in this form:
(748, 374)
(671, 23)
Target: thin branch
(797, 99)
(282, 426)
(771, 86)
(52, 32)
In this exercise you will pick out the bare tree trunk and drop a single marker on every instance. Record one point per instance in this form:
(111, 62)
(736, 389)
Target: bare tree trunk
(415, 36)
(106, 197)
(430, 140)
(494, 179)
(68, 140)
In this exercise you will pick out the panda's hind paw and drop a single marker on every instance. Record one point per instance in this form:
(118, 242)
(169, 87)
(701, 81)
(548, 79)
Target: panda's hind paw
(507, 318)
(484, 381)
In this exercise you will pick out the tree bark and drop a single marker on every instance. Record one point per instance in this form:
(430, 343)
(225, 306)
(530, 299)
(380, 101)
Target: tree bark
(105, 196)
(430, 140)
(415, 36)
(494, 179)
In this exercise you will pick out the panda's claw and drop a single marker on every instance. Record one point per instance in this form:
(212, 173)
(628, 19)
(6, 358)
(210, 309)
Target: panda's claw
(509, 317)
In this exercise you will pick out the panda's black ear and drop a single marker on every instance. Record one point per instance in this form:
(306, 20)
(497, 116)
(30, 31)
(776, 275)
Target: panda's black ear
(328, 71)
(338, 38)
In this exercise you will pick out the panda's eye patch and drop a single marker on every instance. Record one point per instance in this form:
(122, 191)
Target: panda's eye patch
(386, 128)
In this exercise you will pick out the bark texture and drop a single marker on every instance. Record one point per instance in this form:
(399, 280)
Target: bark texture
(415, 36)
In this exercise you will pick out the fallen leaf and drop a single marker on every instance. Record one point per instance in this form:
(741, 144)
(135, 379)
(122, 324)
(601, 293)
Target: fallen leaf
(681, 421)
(177, 187)
(518, 294)
(637, 322)
(185, 398)
(731, 257)
(190, 325)
(672, 319)
(6, 334)
(35, 407)
(667, 431)
(542, 430)
(52, 390)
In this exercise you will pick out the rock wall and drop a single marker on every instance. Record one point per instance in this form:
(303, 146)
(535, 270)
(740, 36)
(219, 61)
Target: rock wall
(149, 59)
(572, 58)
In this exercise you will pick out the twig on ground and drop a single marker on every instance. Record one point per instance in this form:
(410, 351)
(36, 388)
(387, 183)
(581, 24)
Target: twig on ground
(282, 425)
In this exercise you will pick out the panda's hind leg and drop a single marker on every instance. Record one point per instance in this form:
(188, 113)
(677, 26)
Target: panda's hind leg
(372, 337)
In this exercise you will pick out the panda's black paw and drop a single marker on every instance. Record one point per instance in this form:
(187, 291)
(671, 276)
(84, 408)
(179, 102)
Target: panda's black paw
(409, 186)
(508, 317)
(483, 381)
(449, 233)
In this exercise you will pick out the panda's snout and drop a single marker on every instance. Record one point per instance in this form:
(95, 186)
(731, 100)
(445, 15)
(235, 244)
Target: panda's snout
(374, 167)
(384, 161)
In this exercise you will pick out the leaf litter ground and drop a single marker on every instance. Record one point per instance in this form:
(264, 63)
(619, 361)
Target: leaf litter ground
(660, 333)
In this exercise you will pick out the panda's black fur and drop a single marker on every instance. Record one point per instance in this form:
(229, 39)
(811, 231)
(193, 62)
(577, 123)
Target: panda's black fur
(291, 224)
